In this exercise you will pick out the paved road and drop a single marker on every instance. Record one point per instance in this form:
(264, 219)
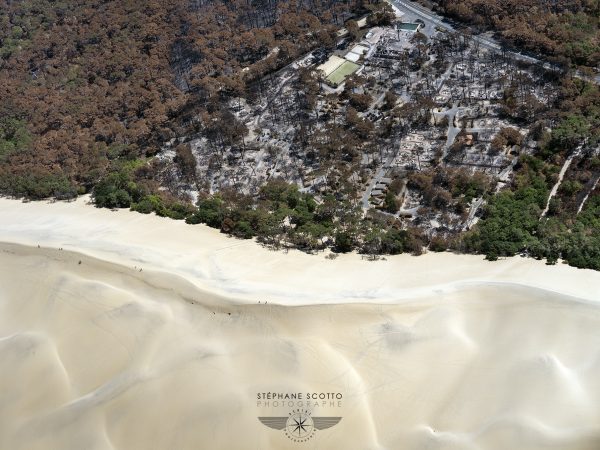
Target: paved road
(433, 20)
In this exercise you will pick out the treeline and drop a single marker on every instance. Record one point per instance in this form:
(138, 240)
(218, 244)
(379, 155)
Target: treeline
(566, 30)
(84, 84)
(280, 217)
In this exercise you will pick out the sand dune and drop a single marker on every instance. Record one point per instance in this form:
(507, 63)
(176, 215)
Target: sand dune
(144, 333)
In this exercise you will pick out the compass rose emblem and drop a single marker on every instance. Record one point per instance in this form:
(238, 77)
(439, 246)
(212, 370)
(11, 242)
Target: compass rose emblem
(299, 426)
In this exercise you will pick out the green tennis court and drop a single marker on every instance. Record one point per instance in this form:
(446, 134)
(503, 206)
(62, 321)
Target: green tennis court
(338, 76)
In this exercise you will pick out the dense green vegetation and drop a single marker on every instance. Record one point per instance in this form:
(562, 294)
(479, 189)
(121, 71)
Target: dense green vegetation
(14, 137)
(511, 223)
(511, 218)
(581, 247)
(283, 216)
(124, 186)
(511, 226)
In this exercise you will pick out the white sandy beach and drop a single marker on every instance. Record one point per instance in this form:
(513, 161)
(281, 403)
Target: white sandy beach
(125, 331)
